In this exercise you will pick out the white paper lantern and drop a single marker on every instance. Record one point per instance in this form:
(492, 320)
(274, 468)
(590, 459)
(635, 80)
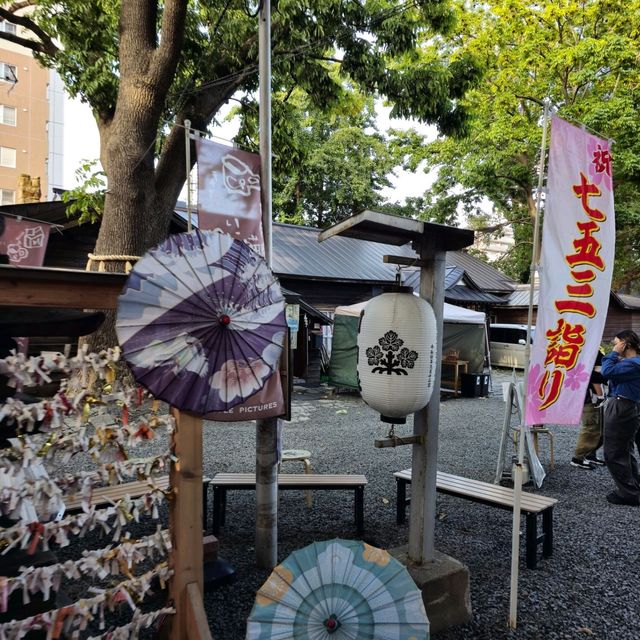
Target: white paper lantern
(397, 354)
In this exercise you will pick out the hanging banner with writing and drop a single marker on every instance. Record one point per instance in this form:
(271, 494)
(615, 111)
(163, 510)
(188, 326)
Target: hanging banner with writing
(578, 248)
(229, 192)
(229, 201)
(24, 241)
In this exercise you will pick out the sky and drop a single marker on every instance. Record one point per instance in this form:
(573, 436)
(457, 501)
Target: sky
(81, 142)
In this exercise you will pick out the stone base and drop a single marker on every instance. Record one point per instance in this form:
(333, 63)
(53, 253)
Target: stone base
(445, 588)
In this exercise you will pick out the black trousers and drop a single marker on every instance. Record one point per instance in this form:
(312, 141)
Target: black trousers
(621, 424)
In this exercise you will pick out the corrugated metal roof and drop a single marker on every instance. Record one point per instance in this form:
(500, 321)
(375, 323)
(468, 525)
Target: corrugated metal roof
(520, 297)
(460, 293)
(627, 301)
(411, 277)
(482, 274)
(297, 252)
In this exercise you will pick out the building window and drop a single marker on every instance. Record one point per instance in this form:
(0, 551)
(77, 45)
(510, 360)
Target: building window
(8, 27)
(8, 72)
(7, 115)
(7, 196)
(7, 157)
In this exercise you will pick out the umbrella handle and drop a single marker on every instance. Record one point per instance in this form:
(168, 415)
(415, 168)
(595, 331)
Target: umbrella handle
(332, 624)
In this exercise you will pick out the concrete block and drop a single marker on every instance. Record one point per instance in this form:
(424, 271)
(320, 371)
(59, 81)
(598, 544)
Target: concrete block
(445, 588)
(209, 548)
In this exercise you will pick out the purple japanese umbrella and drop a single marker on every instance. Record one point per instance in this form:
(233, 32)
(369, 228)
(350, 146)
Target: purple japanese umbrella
(201, 321)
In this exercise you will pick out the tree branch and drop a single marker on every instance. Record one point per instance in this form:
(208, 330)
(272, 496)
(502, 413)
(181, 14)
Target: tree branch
(536, 100)
(520, 183)
(325, 59)
(23, 42)
(137, 36)
(16, 6)
(200, 109)
(166, 56)
(45, 45)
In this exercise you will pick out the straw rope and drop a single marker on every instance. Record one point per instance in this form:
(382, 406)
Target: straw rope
(101, 260)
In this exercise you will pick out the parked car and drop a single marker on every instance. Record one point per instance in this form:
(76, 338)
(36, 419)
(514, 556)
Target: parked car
(507, 344)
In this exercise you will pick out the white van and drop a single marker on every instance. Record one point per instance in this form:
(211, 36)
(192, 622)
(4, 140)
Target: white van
(507, 344)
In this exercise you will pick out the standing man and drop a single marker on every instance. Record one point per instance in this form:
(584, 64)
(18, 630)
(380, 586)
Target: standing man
(590, 434)
(622, 417)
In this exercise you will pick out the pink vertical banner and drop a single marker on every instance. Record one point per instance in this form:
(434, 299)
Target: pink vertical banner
(229, 201)
(576, 265)
(229, 192)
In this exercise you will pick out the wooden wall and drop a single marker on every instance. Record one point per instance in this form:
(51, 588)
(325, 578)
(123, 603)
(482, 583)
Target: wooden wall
(326, 296)
(70, 248)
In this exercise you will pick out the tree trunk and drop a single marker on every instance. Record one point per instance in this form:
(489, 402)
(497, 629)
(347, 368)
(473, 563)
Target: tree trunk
(134, 217)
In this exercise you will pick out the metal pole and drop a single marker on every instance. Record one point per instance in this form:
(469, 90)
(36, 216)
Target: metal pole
(266, 429)
(517, 487)
(187, 156)
(264, 45)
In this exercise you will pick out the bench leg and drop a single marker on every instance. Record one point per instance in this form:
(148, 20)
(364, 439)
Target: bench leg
(401, 501)
(547, 532)
(219, 497)
(308, 494)
(359, 506)
(532, 541)
(205, 504)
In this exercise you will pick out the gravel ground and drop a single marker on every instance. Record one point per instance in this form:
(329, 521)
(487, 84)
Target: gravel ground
(590, 588)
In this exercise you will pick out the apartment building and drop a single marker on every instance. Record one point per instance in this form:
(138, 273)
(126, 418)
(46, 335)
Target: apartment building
(31, 121)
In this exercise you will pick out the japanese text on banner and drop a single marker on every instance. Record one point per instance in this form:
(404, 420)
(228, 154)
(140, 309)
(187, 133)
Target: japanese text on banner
(575, 275)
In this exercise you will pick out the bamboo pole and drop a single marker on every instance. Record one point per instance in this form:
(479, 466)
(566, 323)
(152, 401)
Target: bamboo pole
(517, 480)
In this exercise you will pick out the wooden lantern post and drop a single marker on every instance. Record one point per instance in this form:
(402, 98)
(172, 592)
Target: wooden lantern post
(431, 242)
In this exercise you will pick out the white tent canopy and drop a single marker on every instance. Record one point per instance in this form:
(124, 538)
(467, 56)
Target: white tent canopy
(451, 313)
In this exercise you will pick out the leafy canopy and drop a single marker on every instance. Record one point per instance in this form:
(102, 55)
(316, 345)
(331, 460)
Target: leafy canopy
(145, 67)
(582, 56)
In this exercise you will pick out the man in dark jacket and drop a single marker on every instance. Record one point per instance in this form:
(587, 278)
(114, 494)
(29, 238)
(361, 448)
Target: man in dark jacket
(621, 368)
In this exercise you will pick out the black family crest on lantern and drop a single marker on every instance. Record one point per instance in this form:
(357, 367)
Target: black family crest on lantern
(397, 359)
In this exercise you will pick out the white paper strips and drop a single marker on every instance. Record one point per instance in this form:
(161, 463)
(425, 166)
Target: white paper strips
(61, 622)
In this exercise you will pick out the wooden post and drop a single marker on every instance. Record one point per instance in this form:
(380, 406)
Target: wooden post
(424, 462)
(185, 523)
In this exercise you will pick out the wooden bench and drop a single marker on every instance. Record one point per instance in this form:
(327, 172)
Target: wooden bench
(532, 506)
(112, 493)
(223, 482)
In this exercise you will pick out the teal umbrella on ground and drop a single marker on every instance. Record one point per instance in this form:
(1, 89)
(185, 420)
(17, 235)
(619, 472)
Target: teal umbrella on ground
(339, 590)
